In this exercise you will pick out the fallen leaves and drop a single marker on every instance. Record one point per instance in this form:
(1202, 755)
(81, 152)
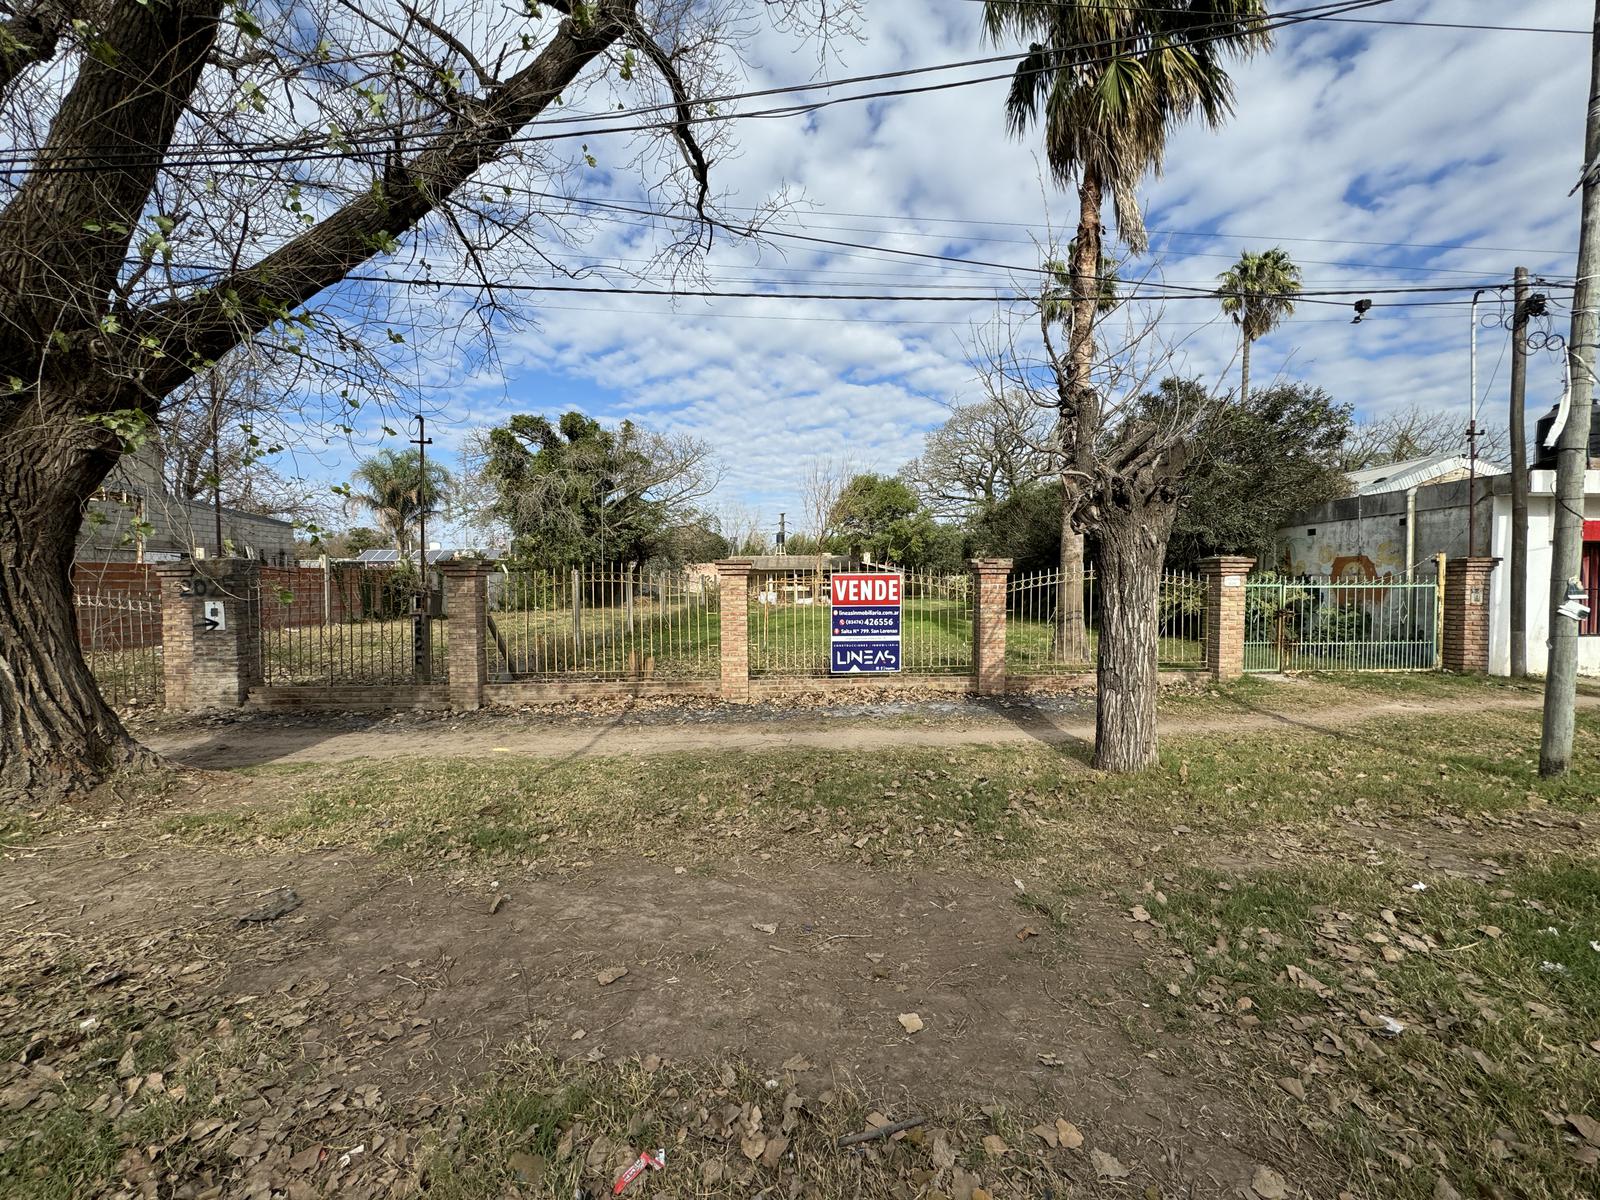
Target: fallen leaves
(1106, 1166)
(610, 975)
(911, 1022)
(1068, 1135)
(1268, 1184)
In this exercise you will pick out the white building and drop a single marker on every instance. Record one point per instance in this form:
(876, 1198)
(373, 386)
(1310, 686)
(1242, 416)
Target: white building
(1403, 515)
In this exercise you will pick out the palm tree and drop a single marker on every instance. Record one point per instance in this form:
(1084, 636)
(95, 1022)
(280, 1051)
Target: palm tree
(391, 486)
(1107, 81)
(1258, 292)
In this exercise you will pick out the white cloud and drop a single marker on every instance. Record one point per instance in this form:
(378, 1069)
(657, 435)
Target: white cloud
(1344, 135)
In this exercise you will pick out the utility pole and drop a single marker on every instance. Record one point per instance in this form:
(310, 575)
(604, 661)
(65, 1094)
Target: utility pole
(216, 457)
(1472, 426)
(1519, 478)
(783, 541)
(422, 442)
(1572, 450)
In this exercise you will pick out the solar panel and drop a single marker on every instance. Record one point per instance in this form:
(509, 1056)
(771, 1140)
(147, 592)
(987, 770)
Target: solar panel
(378, 556)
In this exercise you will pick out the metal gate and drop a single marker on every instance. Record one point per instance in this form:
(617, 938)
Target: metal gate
(1318, 623)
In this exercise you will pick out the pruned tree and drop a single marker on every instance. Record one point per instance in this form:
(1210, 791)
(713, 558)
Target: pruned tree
(186, 176)
(1129, 443)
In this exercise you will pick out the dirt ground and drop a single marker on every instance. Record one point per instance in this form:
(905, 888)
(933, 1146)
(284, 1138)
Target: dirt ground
(413, 981)
(250, 739)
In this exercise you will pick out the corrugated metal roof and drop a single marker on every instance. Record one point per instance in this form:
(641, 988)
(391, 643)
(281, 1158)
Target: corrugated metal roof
(1414, 472)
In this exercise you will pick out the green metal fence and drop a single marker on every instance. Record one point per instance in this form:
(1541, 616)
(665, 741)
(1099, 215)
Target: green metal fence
(1311, 623)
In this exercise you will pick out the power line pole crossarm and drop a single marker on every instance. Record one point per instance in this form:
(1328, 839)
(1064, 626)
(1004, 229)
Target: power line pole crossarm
(1572, 452)
(1519, 478)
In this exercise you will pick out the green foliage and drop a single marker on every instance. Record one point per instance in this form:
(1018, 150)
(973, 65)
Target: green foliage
(1255, 463)
(1107, 81)
(879, 516)
(574, 491)
(1024, 527)
(394, 488)
(1259, 290)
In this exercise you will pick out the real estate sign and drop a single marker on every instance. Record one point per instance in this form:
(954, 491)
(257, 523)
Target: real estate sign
(864, 625)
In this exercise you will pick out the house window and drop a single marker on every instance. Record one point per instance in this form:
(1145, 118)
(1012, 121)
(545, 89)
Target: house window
(1589, 576)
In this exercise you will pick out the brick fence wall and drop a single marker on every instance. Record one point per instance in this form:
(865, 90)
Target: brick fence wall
(198, 665)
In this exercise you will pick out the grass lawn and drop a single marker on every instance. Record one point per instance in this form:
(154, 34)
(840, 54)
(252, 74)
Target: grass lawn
(1265, 960)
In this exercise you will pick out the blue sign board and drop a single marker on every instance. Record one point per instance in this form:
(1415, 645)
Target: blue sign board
(864, 623)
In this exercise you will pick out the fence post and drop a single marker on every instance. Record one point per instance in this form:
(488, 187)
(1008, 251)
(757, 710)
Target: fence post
(733, 587)
(1225, 575)
(989, 576)
(466, 610)
(210, 631)
(1465, 636)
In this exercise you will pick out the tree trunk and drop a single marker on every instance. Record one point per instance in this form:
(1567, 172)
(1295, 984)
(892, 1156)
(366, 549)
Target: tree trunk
(59, 734)
(1076, 417)
(1244, 371)
(1133, 543)
(1071, 637)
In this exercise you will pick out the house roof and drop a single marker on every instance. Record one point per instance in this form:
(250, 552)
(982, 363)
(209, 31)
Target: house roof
(1414, 472)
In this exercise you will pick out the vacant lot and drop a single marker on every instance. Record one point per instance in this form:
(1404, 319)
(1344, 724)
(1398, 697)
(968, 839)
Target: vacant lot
(1343, 940)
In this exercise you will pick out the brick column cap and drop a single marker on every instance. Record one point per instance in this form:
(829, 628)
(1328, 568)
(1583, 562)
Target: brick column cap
(173, 569)
(1226, 564)
(1481, 563)
(990, 566)
(466, 567)
(734, 566)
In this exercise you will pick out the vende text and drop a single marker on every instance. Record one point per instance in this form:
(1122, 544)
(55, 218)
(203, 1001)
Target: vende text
(866, 589)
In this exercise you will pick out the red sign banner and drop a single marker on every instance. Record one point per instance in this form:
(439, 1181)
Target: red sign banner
(875, 588)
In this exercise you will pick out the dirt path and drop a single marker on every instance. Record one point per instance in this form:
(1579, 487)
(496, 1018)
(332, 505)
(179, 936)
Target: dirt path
(271, 738)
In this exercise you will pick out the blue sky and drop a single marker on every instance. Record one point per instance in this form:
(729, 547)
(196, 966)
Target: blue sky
(1377, 155)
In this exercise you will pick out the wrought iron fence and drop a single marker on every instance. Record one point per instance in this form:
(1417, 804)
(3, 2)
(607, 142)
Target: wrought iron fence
(602, 622)
(351, 625)
(1041, 638)
(121, 641)
(1317, 623)
(789, 622)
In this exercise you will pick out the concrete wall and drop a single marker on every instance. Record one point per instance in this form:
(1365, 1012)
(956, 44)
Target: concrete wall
(1541, 529)
(1367, 536)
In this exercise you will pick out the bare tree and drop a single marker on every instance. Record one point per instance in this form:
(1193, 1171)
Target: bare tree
(187, 176)
(981, 454)
(820, 485)
(1414, 431)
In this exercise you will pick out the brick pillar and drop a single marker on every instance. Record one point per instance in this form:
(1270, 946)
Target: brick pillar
(210, 631)
(466, 609)
(1225, 575)
(1465, 636)
(177, 631)
(989, 576)
(733, 584)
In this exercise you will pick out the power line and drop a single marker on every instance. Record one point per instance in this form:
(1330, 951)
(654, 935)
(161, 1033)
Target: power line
(384, 139)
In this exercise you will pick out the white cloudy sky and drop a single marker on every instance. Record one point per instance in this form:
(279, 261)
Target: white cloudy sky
(1378, 155)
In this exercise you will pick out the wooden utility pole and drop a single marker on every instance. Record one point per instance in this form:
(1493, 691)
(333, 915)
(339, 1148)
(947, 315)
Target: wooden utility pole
(1572, 450)
(1519, 478)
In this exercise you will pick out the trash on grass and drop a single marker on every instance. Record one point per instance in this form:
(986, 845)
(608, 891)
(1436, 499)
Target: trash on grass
(645, 1162)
